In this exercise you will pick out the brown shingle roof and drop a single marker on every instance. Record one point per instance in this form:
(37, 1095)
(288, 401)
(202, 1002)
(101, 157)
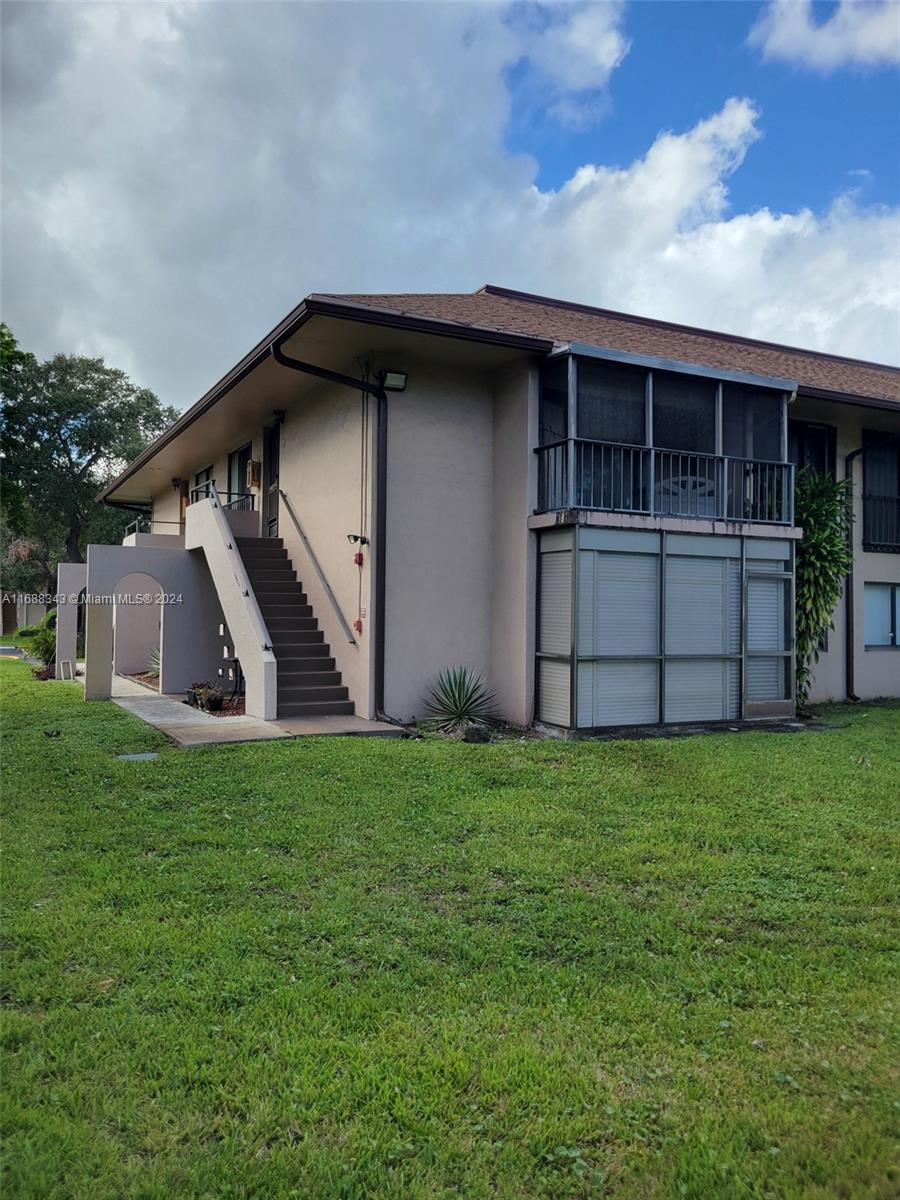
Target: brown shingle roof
(499, 309)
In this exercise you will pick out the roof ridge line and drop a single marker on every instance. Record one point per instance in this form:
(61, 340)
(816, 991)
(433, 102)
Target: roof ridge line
(493, 289)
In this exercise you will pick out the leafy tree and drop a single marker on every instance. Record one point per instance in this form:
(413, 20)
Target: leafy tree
(69, 425)
(824, 509)
(28, 564)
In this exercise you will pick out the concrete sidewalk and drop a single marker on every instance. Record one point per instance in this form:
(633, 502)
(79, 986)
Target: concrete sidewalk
(187, 726)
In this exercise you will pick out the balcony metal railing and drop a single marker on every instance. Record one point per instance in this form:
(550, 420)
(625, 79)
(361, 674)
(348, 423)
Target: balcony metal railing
(140, 524)
(881, 523)
(608, 477)
(237, 501)
(147, 524)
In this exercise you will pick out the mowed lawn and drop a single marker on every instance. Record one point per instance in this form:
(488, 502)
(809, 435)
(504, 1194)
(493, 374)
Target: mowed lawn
(353, 968)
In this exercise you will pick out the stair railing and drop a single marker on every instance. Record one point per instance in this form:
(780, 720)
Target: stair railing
(326, 586)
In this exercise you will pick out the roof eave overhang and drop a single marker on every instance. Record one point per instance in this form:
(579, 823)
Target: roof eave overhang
(879, 402)
(585, 350)
(321, 306)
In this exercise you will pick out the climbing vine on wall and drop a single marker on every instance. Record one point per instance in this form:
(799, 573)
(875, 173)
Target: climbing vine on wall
(824, 509)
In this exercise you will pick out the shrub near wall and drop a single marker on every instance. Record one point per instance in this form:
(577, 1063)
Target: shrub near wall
(824, 509)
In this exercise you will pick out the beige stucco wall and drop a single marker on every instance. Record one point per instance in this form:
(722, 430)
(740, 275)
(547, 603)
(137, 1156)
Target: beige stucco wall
(460, 557)
(877, 671)
(166, 503)
(320, 472)
(440, 531)
(70, 580)
(166, 511)
(513, 595)
(31, 612)
(191, 646)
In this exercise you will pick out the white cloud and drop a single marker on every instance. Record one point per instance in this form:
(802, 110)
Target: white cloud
(860, 32)
(179, 176)
(575, 53)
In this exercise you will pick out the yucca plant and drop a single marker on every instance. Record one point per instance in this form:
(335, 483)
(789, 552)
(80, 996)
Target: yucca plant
(459, 698)
(153, 663)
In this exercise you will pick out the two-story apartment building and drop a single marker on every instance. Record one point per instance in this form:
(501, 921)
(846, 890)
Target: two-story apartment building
(594, 510)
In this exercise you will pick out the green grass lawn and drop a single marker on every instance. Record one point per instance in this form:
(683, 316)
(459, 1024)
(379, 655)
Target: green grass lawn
(361, 969)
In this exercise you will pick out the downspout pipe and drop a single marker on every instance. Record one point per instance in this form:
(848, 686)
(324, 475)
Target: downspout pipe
(380, 539)
(358, 385)
(849, 632)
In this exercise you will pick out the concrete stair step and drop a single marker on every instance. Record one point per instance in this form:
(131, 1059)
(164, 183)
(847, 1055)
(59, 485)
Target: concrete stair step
(316, 708)
(259, 558)
(272, 612)
(310, 678)
(253, 542)
(303, 695)
(315, 657)
(279, 592)
(268, 565)
(283, 574)
(292, 624)
(300, 637)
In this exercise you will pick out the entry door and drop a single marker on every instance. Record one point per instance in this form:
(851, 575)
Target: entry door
(238, 461)
(271, 451)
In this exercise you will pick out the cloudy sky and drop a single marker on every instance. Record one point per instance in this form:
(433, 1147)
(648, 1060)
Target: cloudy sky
(178, 175)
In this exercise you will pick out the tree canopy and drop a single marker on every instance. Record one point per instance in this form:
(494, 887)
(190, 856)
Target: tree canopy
(69, 425)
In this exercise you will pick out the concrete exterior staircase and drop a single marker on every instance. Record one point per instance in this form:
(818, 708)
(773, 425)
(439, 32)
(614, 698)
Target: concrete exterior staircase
(308, 684)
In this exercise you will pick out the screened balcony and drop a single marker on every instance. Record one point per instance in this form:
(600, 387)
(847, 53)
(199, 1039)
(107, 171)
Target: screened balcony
(628, 439)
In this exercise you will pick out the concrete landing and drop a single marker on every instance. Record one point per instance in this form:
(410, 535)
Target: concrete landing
(188, 726)
(344, 726)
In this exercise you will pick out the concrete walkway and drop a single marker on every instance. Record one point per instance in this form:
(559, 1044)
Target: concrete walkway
(187, 726)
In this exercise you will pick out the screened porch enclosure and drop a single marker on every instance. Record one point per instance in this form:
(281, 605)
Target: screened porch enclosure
(623, 438)
(646, 628)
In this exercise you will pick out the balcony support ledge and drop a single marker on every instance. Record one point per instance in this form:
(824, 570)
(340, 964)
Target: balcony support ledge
(613, 520)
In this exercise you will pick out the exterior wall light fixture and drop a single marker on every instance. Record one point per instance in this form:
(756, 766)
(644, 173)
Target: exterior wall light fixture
(393, 381)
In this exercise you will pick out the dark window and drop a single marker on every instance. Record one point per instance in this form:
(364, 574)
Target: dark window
(881, 456)
(812, 446)
(237, 470)
(881, 491)
(202, 481)
(611, 403)
(554, 401)
(752, 423)
(684, 413)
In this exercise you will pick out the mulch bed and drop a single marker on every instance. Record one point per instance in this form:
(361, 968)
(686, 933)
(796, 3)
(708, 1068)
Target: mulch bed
(230, 708)
(148, 681)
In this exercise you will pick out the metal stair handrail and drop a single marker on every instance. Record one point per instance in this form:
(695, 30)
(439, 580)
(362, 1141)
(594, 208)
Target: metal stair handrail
(348, 632)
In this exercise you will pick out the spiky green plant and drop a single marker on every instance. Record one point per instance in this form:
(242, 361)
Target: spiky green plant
(153, 663)
(459, 697)
(43, 644)
(824, 509)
